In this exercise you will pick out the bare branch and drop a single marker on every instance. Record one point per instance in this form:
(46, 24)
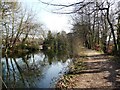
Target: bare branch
(62, 5)
(75, 11)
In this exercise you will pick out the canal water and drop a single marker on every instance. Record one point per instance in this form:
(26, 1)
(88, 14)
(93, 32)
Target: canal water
(36, 70)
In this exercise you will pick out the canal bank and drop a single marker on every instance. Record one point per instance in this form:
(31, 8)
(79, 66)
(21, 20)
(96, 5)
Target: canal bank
(92, 69)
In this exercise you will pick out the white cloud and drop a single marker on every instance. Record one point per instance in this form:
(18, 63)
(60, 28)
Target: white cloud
(52, 21)
(55, 22)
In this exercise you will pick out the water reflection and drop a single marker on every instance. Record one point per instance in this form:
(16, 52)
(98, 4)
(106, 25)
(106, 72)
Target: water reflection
(34, 70)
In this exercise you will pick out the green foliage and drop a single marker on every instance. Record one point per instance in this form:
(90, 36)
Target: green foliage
(58, 43)
(56, 46)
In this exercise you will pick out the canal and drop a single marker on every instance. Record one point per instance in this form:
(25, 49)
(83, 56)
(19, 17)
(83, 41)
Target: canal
(35, 70)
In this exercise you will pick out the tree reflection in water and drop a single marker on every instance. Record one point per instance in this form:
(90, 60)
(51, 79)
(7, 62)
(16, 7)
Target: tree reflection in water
(28, 70)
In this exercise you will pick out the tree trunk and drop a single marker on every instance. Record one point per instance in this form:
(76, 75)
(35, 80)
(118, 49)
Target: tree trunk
(112, 30)
(118, 35)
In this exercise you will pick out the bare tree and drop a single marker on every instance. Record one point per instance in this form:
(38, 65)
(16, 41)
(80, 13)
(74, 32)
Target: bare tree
(99, 10)
(17, 24)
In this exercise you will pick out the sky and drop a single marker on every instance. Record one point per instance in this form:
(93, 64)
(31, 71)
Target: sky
(52, 21)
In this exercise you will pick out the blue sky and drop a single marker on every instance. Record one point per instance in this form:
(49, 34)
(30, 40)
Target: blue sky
(54, 22)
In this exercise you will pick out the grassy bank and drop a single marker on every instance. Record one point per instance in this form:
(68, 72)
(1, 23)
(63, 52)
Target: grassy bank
(20, 50)
(67, 80)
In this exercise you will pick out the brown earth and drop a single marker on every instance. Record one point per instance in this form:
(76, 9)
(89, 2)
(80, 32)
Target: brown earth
(100, 71)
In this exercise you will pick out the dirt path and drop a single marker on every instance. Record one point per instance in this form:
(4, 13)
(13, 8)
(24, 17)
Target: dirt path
(101, 72)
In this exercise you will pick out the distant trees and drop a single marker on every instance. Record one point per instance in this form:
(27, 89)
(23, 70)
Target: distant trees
(49, 41)
(57, 42)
